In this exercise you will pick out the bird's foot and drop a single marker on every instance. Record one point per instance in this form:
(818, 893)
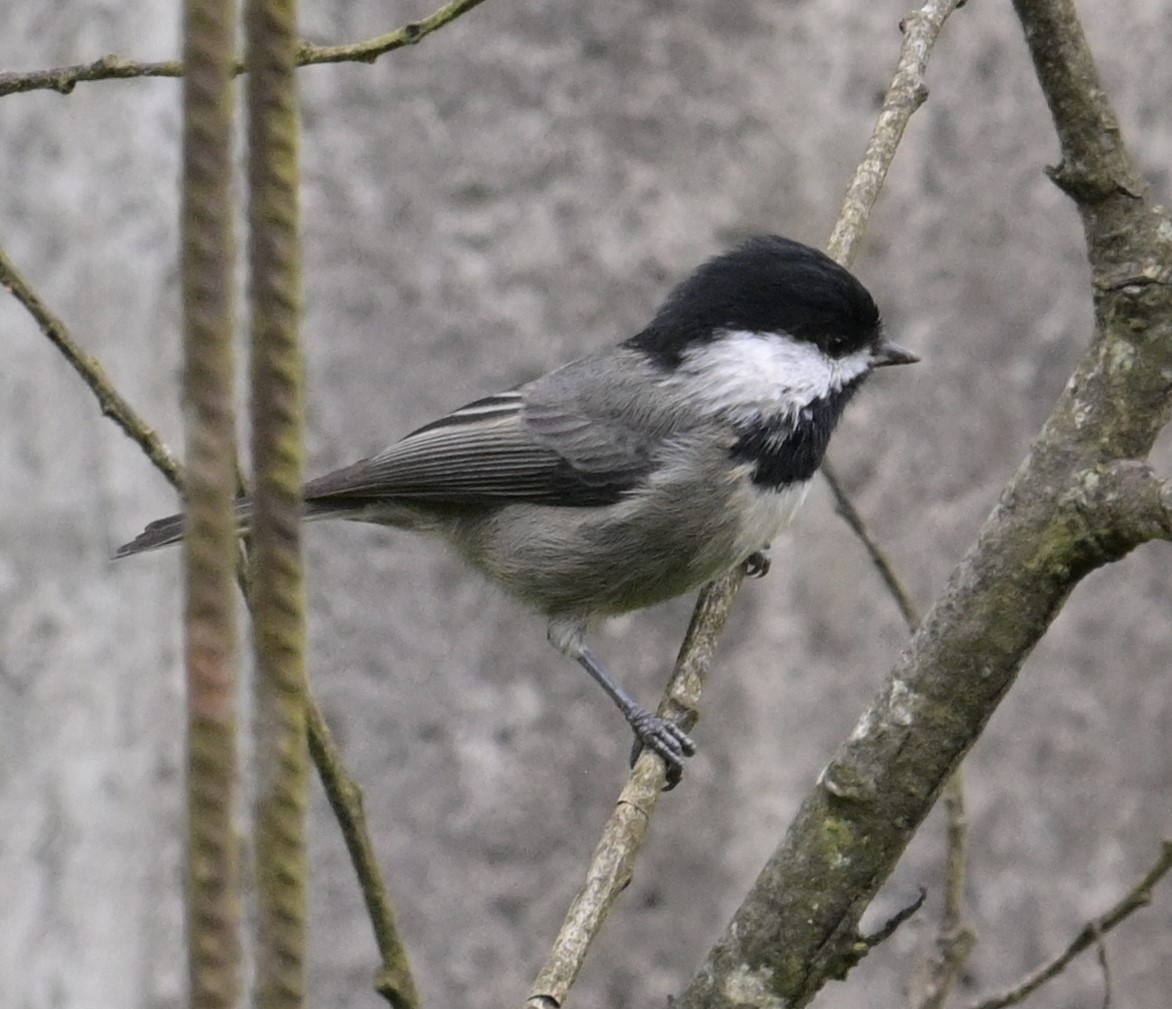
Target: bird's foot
(757, 563)
(664, 738)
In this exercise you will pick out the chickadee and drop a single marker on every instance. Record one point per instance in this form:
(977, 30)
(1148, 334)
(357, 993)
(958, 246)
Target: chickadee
(638, 473)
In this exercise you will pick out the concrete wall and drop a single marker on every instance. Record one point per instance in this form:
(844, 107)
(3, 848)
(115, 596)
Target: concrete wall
(522, 187)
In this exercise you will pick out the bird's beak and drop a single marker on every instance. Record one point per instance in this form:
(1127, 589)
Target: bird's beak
(891, 353)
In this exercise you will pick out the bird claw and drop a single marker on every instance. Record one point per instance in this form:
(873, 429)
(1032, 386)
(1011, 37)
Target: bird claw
(757, 564)
(665, 739)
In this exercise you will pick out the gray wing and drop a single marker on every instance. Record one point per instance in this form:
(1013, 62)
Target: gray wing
(505, 448)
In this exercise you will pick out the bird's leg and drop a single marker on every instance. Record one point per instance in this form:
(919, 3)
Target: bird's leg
(660, 735)
(757, 563)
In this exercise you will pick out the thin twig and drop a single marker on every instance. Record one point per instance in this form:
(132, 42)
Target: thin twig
(394, 980)
(952, 920)
(110, 402)
(850, 514)
(1137, 897)
(908, 91)
(1105, 967)
(114, 67)
(370, 50)
(892, 925)
(614, 857)
(933, 982)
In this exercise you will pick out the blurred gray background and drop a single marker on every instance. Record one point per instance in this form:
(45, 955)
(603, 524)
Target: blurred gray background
(520, 188)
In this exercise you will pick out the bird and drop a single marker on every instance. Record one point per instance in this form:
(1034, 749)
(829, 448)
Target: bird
(640, 472)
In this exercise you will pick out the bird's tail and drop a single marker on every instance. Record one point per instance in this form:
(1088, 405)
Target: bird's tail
(168, 531)
(164, 532)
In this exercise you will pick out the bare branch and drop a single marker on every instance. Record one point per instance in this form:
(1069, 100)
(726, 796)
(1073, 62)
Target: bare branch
(907, 92)
(850, 514)
(106, 68)
(891, 926)
(394, 981)
(407, 35)
(1090, 934)
(933, 983)
(1104, 966)
(1095, 163)
(110, 401)
(113, 67)
(614, 857)
(1129, 239)
(1122, 504)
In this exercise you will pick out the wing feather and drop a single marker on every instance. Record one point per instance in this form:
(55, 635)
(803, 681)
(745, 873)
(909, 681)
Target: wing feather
(496, 450)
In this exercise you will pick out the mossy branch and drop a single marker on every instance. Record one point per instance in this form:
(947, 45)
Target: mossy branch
(1083, 497)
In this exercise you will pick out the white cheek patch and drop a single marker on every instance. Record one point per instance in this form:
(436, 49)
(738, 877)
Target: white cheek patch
(743, 369)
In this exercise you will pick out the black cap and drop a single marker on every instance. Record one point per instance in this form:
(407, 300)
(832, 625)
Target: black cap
(768, 284)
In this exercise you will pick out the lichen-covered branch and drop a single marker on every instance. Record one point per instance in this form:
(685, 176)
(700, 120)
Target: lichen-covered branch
(931, 985)
(1095, 163)
(1062, 515)
(113, 67)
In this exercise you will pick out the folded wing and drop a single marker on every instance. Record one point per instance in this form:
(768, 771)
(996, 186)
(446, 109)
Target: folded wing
(498, 450)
